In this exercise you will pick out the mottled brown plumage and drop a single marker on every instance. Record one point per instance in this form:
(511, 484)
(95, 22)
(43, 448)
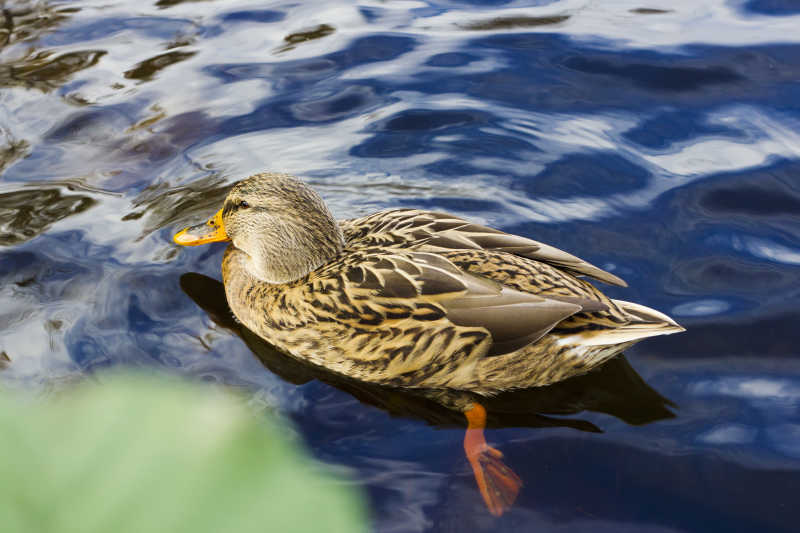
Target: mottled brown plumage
(412, 298)
(415, 299)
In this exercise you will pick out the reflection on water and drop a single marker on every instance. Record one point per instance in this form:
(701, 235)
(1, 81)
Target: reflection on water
(11, 150)
(163, 205)
(164, 4)
(649, 11)
(145, 70)
(45, 71)
(26, 21)
(658, 141)
(293, 39)
(42, 70)
(504, 23)
(25, 214)
(657, 78)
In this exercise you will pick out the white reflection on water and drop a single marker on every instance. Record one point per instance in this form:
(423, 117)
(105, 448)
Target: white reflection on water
(701, 308)
(766, 137)
(716, 155)
(410, 484)
(749, 387)
(729, 434)
(766, 249)
(774, 399)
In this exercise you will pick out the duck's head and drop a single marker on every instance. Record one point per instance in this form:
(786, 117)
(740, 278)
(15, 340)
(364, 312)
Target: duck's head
(281, 224)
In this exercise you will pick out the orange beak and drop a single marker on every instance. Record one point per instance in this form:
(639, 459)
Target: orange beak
(211, 231)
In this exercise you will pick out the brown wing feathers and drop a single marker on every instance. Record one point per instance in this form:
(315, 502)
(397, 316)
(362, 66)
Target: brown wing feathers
(435, 232)
(513, 318)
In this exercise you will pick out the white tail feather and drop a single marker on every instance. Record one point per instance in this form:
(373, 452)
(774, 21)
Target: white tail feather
(645, 313)
(645, 322)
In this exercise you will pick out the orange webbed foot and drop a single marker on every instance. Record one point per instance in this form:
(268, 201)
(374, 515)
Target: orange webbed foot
(499, 485)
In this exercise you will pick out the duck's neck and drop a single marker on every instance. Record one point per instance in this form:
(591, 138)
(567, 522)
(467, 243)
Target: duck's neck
(291, 256)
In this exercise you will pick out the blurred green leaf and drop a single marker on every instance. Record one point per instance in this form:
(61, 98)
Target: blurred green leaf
(135, 455)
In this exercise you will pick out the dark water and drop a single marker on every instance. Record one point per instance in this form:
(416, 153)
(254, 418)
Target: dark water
(661, 142)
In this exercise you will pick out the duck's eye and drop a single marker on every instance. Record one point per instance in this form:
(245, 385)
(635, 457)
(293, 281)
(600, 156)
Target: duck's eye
(243, 204)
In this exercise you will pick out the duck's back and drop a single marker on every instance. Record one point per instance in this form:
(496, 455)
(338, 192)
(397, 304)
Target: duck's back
(441, 232)
(600, 329)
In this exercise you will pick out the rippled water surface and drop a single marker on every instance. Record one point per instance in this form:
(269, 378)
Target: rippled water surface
(661, 142)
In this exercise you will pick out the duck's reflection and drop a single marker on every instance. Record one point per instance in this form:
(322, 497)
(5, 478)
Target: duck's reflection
(615, 389)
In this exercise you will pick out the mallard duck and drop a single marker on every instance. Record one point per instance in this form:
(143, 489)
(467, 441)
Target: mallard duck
(417, 299)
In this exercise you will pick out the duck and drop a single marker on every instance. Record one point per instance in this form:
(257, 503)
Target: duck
(416, 299)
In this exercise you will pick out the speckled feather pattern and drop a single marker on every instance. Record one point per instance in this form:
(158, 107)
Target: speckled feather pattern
(410, 298)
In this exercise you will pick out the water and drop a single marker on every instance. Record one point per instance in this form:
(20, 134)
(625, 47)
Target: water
(661, 142)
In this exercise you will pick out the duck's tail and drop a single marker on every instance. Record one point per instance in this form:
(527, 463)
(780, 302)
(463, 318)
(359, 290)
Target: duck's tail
(568, 353)
(644, 322)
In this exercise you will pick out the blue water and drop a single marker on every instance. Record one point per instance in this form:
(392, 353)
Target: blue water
(661, 142)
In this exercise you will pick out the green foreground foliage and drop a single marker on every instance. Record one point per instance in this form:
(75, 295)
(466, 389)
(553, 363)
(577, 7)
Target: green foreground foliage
(134, 455)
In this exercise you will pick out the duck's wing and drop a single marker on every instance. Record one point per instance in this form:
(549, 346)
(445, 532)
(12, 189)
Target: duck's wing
(383, 289)
(436, 232)
(603, 321)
